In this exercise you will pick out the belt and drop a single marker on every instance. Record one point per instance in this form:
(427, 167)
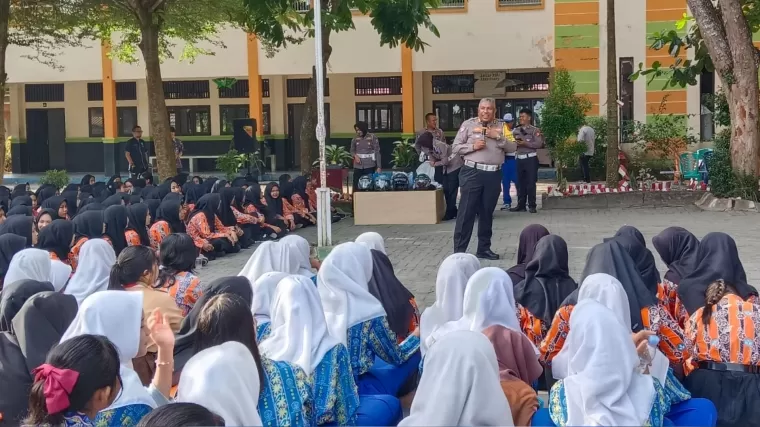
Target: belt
(511, 154)
(366, 156)
(482, 166)
(525, 156)
(733, 367)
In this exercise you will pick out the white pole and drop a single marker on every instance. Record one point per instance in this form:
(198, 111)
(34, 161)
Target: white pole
(324, 216)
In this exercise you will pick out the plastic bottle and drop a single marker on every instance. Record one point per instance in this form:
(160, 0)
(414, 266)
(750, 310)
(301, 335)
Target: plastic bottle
(646, 360)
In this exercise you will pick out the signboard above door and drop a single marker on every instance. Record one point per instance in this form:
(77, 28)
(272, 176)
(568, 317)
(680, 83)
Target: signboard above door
(489, 84)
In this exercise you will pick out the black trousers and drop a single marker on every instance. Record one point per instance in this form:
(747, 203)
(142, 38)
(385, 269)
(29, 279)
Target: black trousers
(358, 173)
(480, 193)
(583, 161)
(527, 175)
(450, 190)
(250, 233)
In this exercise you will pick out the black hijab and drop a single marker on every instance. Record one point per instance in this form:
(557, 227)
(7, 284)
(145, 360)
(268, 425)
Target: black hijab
(193, 193)
(185, 338)
(111, 184)
(239, 181)
(90, 207)
(15, 295)
(299, 187)
(611, 258)
(88, 224)
(71, 187)
(392, 294)
(19, 190)
(227, 195)
(86, 179)
(363, 128)
(137, 215)
(53, 216)
(253, 197)
(678, 250)
(629, 231)
(56, 238)
(71, 202)
(239, 194)
(10, 244)
(54, 203)
(116, 199)
(20, 210)
(643, 259)
(286, 191)
(200, 180)
(20, 225)
(86, 189)
(283, 179)
(207, 205)
(529, 238)
(219, 186)
(115, 218)
(274, 205)
(169, 211)
(153, 209)
(209, 184)
(547, 279)
(37, 328)
(46, 191)
(22, 201)
(717, 258)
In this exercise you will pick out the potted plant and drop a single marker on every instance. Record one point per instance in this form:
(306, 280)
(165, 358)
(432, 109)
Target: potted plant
(337, 160)
(58, 178)
(404, 156)
(230, 163)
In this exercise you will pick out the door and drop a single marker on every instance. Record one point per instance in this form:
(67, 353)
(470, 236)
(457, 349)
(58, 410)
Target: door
(56, 120)
(295, 117)
(37, 141)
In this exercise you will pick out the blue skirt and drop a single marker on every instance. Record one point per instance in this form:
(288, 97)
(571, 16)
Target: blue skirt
(384, 378)
(378, 410)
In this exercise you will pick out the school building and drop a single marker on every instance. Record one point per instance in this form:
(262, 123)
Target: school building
(78, 117)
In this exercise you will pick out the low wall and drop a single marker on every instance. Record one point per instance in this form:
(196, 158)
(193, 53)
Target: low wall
(633, 199)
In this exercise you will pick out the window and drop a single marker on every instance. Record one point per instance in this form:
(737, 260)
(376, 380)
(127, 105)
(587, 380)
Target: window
(190, 120)
(43, 92)
(126, 91)
(453, 4)
(265, 88)
(506, 3)
(97, 127)
(228, 113)
(460, 83)
(528, 82)
(94, 91)
(126, 118)
(381, 117)
(451, 114)
(190, 89)
(238, 90)
(299, 88)
(369, 86)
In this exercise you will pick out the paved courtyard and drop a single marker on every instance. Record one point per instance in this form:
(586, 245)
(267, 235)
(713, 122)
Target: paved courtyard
(417, 251)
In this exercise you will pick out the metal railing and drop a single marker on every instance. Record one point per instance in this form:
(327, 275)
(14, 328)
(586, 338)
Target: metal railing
(302, 5)
(508, 3)
(453, 4)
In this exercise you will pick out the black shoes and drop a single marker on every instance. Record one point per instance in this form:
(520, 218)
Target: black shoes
(517, 209)
(532, 210)
(487, 254)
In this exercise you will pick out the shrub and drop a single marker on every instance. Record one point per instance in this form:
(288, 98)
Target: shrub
(230, 163)
(404, 155)
(58, 178)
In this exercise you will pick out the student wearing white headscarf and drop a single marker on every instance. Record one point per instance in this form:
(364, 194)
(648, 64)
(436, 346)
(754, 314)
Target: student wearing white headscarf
(225, 380)
(602, 385)
(460, 385)
(302, 250)
(357, 320)
(118, 316)
(31, 264)
(372, 240)
(263, 294)
(295, 304)
(96, 258)
(450, 284)
(270, 257)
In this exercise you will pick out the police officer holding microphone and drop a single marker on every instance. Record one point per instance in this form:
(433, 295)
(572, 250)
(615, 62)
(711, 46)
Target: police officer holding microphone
(482, 145)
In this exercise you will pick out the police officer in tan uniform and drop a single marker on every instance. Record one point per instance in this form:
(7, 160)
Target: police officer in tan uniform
(482, 145)
(529, 139)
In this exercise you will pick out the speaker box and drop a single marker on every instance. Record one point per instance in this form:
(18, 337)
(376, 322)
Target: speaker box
(244, 136)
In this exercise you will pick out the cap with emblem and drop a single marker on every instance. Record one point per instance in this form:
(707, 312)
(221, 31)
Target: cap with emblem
(508, 118)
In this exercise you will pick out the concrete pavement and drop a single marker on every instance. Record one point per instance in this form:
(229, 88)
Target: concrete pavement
(417, 251)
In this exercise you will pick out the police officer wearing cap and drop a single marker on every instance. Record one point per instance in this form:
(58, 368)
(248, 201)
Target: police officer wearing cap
(528, 139)
(482, 145)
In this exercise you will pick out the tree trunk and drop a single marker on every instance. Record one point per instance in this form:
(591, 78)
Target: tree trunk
(159, 117)
(612, 96)
(308, 142)
(5, 12)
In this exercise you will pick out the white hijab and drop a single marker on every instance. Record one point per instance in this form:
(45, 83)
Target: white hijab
(30, 264)
(224, 379)
(603, 386)
(302, 250)
(59, 274)
(117, 315)
(609, 292)
(343, 279)
(269, 257)
(460, 385)
(95, 261)
(450, 284)
(263, 293)
(372, 240)
(299, 330)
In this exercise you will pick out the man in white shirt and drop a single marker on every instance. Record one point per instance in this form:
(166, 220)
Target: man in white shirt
(587, 135)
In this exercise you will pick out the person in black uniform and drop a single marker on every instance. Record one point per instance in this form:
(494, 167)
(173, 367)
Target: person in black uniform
(136, 153)
(528, 139)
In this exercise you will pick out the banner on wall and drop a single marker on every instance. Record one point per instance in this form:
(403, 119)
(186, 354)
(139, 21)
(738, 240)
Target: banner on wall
(488, 84)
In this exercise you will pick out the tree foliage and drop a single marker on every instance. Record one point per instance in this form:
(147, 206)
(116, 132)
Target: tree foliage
(564, 111)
